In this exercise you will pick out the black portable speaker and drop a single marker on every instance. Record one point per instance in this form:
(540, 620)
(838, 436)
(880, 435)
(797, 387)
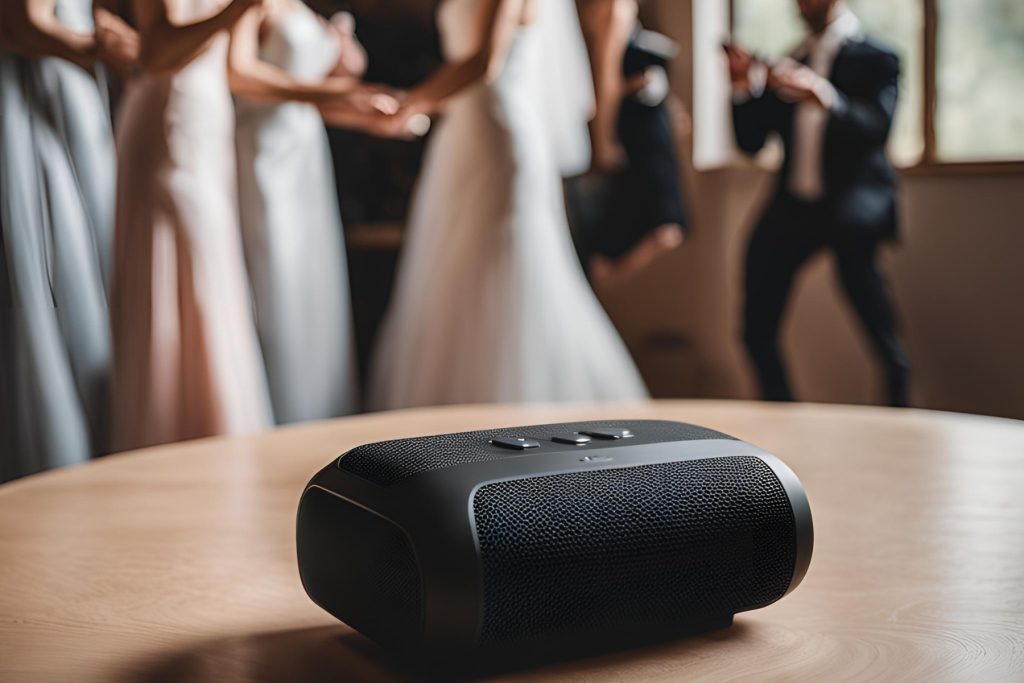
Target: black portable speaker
(551, 539)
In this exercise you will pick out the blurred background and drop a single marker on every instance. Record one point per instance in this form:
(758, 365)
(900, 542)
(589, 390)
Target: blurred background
(957, 144)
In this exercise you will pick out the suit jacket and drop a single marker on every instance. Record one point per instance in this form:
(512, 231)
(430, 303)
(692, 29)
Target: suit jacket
(860, 186)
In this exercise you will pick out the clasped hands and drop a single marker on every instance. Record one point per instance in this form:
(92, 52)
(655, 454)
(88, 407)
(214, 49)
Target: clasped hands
(379, 110)
(787, 77)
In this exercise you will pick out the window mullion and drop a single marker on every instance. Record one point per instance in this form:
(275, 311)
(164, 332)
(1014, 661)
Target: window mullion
(931, 19)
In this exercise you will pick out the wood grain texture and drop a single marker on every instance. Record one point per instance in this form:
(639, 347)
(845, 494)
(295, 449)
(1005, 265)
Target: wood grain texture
(178, 564)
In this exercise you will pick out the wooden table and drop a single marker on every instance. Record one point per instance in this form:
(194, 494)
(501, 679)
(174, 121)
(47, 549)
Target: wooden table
(178, 563)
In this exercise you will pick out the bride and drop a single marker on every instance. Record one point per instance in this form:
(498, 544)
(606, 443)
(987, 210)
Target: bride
(490, 303)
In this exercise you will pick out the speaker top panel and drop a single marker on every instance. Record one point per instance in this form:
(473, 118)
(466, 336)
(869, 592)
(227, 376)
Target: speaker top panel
(388, 462)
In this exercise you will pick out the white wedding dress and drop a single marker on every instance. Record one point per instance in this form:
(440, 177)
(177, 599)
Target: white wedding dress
(291, 229)
(490, 302)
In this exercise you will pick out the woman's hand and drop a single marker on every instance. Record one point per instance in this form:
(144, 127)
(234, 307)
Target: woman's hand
(419, 101)
(352, 59)
(117, 43)
(609, 155)
(740, 62)
(375, 109)
(372, 98)
(33, 29)
(375, 123)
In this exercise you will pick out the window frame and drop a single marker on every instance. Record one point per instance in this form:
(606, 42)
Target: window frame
(930, 163)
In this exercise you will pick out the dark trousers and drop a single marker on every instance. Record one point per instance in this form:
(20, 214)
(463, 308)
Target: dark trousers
(789, 234)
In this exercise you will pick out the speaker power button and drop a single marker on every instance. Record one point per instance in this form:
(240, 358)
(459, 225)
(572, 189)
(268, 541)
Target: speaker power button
(516, 443)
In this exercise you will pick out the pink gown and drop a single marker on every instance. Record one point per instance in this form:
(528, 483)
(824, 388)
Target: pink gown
(186, 356)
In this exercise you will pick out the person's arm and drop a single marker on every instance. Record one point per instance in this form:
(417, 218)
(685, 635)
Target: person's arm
(752, 107)
(499, 22)
(869, 118)
(752, 120)
(606, 27)
(253, 78)
(866, 118)
(375, 123)
(352, 59)
(117, 43)
(31, 28)
(167, 45)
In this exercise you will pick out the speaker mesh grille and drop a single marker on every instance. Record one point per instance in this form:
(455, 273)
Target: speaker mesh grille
(387, 462)
(631, 549)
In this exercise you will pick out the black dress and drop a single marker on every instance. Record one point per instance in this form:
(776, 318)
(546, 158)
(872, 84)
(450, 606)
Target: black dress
(615, 212)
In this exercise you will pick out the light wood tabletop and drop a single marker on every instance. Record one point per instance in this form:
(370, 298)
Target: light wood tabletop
(178, 563)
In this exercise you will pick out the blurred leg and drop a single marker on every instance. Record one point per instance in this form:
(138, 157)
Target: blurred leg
(645, 216)
(664, 238)
(779, 246)
(866, 287)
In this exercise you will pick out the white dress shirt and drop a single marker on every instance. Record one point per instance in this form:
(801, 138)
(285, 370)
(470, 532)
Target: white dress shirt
(806, 177)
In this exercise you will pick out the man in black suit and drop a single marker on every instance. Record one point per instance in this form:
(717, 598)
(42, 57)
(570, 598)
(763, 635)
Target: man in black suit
(832, 103)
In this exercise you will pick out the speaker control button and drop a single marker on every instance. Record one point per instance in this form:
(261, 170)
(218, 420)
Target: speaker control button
(572, 439)
(516, 443)
(608, 433)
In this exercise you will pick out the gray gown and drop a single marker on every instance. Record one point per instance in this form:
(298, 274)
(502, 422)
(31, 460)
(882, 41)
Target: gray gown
(56, 202)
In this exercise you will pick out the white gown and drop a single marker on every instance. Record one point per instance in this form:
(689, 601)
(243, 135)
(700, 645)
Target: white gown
(186, 353)
(56, 201)
(291, 229)
(490, 302)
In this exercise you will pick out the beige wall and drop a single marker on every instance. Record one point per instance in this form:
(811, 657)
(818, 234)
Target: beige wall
(957, 279)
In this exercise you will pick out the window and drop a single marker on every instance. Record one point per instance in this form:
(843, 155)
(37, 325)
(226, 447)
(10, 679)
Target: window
(962, 83)
(979, 80)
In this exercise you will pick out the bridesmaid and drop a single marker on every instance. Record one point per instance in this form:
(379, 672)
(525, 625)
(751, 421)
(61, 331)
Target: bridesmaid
(186, 356)
(284, 60)
(56, 201)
